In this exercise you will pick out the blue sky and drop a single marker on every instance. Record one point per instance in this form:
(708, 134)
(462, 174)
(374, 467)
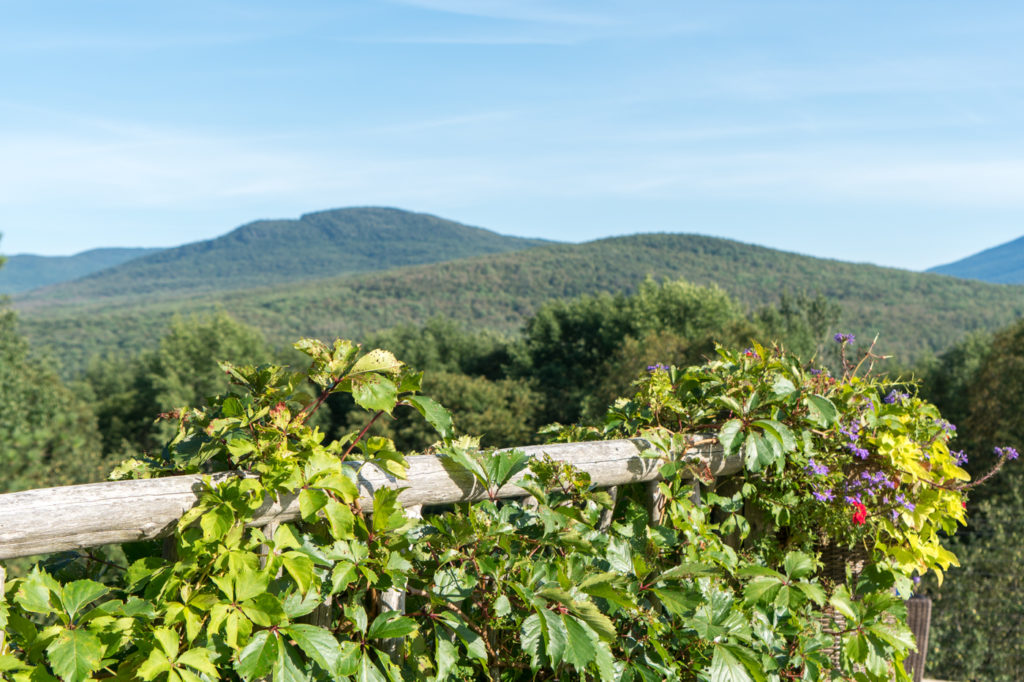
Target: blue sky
(873, 131)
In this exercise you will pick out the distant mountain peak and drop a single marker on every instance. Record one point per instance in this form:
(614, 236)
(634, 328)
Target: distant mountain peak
(270, 252)
(1002, 264)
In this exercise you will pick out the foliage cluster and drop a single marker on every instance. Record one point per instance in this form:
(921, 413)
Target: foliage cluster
(506, 590)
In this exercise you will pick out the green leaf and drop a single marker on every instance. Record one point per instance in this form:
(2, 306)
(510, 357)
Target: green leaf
(375, 393)
(79, 593)
(798, 565)
(731, 436)
(391, 624)
(757, 453)
(74, 654)
(436, 415)
(376, 360)
(341, 520)
(317, 643)
(258, 656)
(447, 656)
(555, 637)
(200, 660)
(502, 606)
(264, 610)
(579, 650)
(841, 602)
(531, 637)
(726, 667)
(821, 410)
(780, 432)
(502, 466)
(300, 568)
(311, 500)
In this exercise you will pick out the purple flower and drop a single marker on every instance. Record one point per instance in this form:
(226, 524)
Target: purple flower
(909, 506)
(751, 353)
(814, 371)
(852, 499)
(916, 579)
(856, 451)
(844, 338)
(824, 496)
(894, 396)
(817, 469)
(656, 367)
(959, 458)
(1007, 452)
(945, 426)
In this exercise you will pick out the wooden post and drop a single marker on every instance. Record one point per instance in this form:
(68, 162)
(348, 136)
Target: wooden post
(919, 616)
(268, 532)
(394, 599)
(605, 522)
(655, 502)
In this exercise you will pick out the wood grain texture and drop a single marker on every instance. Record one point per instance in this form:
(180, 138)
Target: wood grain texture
(75, 517)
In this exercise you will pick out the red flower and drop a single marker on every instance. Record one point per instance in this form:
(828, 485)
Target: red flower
(860, 514)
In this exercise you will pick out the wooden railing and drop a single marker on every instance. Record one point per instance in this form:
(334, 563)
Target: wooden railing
(74, 517)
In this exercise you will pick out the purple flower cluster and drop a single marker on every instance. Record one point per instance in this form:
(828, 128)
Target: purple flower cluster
(853, 434)
(959, 458)
(895, 396)
(817, 469)
(656, 367)
(824, 496)
(945, 425)
(844, 338)
(751, 353)
(1007, 452)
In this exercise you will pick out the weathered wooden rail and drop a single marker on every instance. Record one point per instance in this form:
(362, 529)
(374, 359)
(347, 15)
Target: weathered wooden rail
(74, 517)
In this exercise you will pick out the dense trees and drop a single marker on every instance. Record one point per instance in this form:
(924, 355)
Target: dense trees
(48, 434)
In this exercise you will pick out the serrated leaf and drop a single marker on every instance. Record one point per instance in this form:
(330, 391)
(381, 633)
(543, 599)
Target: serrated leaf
(531, 637)
(311, 500)
(317, 643)
(780, 432)
(391, 624)
(258, 656)
(821, 410)
(726, 667)
(798, 565)
(200, 660)
(77, 594)
(446, 656)
(579, 649)
(436, 415)
(375, 393)
(731, 436)
(75, 654)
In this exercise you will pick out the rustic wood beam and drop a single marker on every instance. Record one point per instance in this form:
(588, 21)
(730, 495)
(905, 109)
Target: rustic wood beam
(51, 520)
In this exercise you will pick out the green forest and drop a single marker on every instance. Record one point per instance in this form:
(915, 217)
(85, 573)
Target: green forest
(514, 342)
(916, 314)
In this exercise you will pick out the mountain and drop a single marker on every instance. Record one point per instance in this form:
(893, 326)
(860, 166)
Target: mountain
(915, 313)
(268, 252)
(1003, 264)
(23, 272)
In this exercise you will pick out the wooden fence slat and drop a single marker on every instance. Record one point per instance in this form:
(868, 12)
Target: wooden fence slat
(394, 599)
(75, 517)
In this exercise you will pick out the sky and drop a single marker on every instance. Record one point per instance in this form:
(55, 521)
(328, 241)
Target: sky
(880, 132)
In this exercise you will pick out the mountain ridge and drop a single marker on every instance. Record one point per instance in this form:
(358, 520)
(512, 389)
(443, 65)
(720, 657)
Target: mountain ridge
(317, 244)
(27, 271)
(1000, 264)
(916, 314)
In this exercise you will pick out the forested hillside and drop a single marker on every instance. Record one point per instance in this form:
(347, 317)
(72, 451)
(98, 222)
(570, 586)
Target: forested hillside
(916, 314)
(26, 271)
(268, 252)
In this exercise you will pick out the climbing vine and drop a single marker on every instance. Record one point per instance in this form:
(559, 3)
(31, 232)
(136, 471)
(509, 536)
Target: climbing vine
(550, 588)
